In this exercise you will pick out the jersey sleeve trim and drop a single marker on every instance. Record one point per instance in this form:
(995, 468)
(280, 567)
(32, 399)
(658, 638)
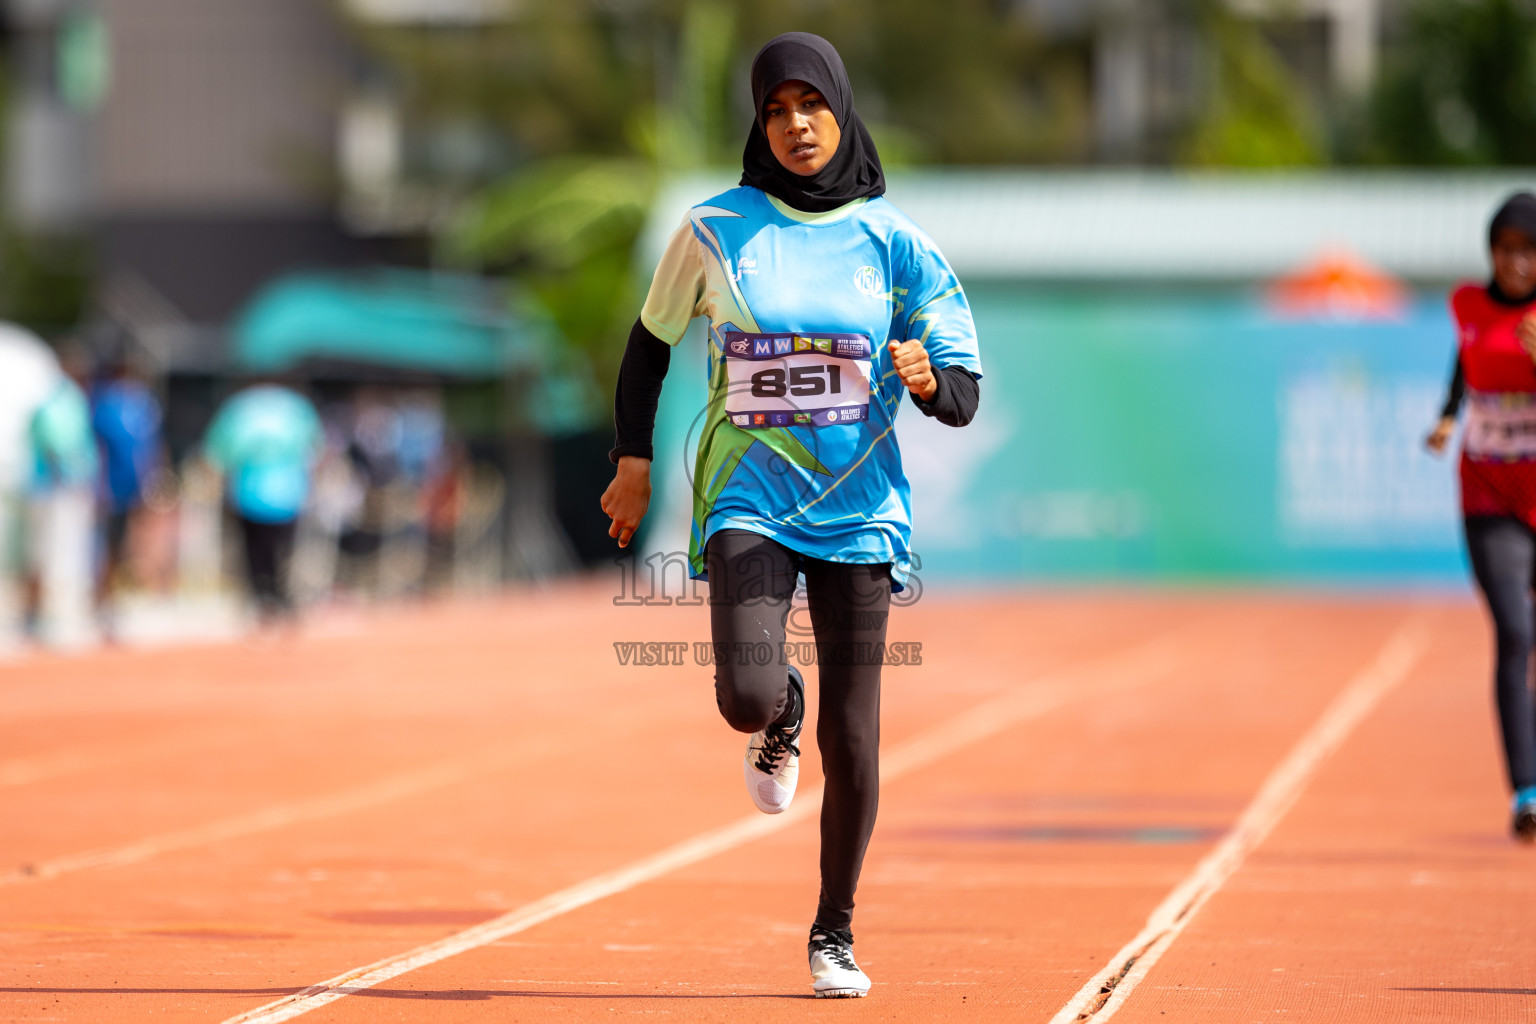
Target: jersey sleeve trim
(677, 286)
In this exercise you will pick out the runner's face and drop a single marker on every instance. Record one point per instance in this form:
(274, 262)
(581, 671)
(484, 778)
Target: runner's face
(802, 132)
(1514, 263)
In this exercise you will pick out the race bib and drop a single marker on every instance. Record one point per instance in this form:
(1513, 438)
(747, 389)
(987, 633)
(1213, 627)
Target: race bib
(1500, 425)
(797, 380)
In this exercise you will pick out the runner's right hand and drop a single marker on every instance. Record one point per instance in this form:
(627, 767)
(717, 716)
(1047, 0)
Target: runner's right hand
(1441, 435)
(628, 497)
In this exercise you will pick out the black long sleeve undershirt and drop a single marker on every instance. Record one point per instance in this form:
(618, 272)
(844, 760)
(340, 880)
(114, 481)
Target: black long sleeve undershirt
(647, 357)
(1455, 391)
(954, 404)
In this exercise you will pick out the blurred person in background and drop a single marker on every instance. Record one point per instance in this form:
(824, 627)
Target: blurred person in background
(422, 435)
(265, 441)
(60, 526)
(125, 416)
(373, 435)
(422, 457)
(1495, 376)
(442, 500)
(29, 372)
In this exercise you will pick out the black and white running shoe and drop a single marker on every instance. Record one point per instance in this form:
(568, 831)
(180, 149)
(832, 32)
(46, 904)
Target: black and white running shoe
(834, 974)
(1524, 811)
(772, 762)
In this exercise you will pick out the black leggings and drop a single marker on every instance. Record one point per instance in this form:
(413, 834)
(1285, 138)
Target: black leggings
(268, 547)
(1503, 555)
(751, 589)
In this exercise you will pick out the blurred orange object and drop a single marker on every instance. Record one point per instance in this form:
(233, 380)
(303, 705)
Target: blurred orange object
(1338, 286)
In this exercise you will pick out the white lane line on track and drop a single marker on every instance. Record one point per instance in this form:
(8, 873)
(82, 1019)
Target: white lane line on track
(1108, 990)
(1099, 678)
(383, 791)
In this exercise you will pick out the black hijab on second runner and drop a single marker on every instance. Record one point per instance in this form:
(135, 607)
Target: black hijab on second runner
(1518, 212)
(853, 172)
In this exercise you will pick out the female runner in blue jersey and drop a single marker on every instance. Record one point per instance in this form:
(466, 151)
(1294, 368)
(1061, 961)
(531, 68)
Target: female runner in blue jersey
(826, 306)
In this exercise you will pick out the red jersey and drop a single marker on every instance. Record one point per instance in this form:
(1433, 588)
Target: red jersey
(1498, 456)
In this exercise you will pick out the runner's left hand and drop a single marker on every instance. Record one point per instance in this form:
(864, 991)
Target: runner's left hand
(1526, 332)
(911, 361)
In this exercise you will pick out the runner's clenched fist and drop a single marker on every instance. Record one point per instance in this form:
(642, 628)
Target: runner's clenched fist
(911, 361)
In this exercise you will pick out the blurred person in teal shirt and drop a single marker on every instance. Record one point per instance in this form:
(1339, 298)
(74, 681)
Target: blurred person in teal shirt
(265, 441)
(60, 516)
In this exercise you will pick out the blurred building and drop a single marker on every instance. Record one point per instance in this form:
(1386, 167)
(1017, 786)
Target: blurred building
(1150, 57)
(207, 145)
(192, 139)
(204, 151)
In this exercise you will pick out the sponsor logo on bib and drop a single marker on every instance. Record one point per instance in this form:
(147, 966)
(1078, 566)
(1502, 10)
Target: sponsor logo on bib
(869, 281)
(851, 349)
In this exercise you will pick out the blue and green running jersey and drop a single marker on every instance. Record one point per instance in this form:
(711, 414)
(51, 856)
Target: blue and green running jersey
(798, 438)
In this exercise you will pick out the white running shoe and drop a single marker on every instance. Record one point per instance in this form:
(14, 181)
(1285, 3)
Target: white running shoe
(772, 762)
(834, 974)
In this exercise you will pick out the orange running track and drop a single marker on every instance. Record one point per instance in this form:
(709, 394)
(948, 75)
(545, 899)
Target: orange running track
(1303, 794)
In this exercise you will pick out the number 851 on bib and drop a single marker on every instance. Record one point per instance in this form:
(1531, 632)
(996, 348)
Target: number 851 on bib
(793, 379)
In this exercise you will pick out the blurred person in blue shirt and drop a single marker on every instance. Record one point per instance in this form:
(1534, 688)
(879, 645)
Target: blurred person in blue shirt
(422, 437)
(125, 417)
(265, 440)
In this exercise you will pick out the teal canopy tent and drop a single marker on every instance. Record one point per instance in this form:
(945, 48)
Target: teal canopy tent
(441, 324)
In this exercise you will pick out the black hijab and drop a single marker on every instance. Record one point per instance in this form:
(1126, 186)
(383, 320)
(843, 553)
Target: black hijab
(854, 170)
(1518, 212)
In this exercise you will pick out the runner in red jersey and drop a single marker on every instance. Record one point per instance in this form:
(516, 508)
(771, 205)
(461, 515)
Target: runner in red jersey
(1496, 377)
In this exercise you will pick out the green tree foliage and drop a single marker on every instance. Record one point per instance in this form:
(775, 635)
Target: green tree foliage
(1255, 113)
(45, 279)
(567, 227)
(959, 82)
(1458, 86)
(563, 76)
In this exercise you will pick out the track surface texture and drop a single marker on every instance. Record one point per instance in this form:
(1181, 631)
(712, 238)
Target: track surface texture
(474, 811)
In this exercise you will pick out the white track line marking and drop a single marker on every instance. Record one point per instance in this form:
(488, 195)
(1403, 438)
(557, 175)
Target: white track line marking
(396, 787)
(1107, 991)
(1097, 679)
